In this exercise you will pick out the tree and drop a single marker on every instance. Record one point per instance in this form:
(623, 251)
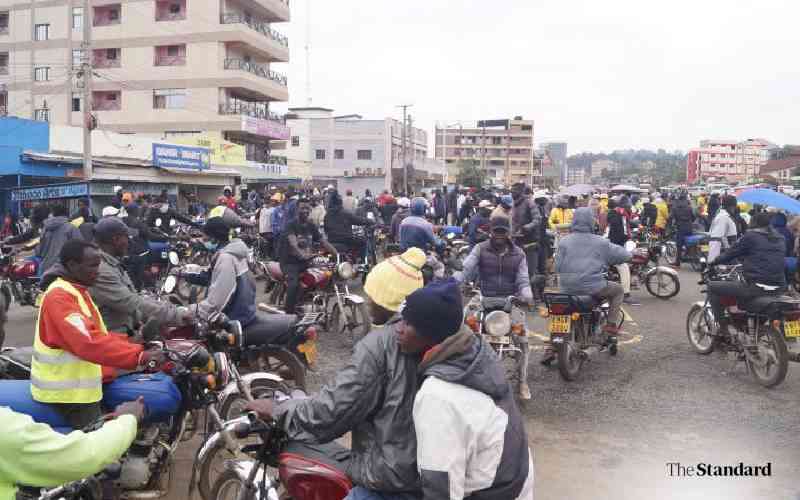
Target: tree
(470, 174)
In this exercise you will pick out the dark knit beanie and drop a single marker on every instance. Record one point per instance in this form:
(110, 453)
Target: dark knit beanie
(435, 311)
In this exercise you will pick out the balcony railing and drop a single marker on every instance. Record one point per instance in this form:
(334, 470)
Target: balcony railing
(263, 28)
(3, 70)
(256, 69)
(237, 108)
(171, 16)
(170, 60)
(3, 110)
(3, 30)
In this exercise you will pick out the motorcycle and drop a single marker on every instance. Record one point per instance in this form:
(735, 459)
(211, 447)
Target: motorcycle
(759, 328)
(89, 488)
(304, 472)
(696, 251)
(575, 324)
(501, 323)
(660, 281)
(323, 286)
(19, 279)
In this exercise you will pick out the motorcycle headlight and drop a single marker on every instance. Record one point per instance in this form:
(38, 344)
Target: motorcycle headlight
(346, 270)
(497, 323)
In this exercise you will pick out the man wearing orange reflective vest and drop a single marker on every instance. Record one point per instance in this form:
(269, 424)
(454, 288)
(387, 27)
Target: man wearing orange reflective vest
(74, 353)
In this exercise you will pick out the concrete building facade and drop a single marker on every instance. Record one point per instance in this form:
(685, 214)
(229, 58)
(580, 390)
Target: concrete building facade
(598, 166)
(728, 159)
(166, 68)
(350, 147)
(504, 150)
(557, 151)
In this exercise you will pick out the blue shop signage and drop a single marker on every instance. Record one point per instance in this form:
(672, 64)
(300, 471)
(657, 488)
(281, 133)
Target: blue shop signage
(174, 156)
(50, 192)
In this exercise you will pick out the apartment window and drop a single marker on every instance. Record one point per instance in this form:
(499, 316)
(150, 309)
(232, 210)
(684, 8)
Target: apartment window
(41, 114)
(171, 11)
(77, 18)
(320, 154)
(364, 154)
(338, 154)
(76, 102)
(497, 141)
(170, 55)
(42, 32)
(107, 100)
(77, 58)
(169, 98)
(3, 63)
(526, 128)
(3, 103)
(4, 23)
(41, 74)
(296, 141)
(106, 15)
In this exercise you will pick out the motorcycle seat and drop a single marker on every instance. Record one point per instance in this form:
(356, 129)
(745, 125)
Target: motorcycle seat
(768, 304)
(22, 355)
(274, 270)
(331, 454)
(494, 304)
(267, 327)
(584, 303)
(16, 394)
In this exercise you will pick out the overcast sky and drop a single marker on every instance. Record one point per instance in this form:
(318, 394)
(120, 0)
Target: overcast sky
(601, 75)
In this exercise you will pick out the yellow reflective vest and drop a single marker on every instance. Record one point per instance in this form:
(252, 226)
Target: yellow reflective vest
(58, 376)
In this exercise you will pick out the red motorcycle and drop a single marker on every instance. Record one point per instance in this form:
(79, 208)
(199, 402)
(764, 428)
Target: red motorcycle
(305, 472)
(19, 278)
(324, 290)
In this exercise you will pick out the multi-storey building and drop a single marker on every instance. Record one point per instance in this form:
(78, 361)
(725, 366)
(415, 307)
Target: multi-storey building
(167, 68)
(576, 175)
(502, 148)
(557, 151)
(726, 159)
(345, 148)
(600, 166)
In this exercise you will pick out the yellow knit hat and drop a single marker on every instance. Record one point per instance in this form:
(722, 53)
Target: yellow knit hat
(391, 281)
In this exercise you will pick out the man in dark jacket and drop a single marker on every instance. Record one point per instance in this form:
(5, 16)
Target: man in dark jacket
(761, 252)
(526, 221)
(39, 215)
(464, 403)
(649, 213)
(339, 227)
(452, 206)
(682, 216)
(57, 231)
(398, 218)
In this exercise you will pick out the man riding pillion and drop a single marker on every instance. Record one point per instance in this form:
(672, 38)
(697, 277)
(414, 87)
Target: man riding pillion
(501, 269)
(723, 230)
(761, 252)
(526, 221)
(295, 251)
(417, 232)
(339, 227)
(582, 261)
(73, 351)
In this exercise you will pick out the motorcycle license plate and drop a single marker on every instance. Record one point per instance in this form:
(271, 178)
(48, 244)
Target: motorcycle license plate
(704, 248)
(558, 324)
(791, 329)
(309, 350)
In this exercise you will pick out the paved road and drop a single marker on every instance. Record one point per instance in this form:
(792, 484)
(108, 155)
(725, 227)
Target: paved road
(612, 433)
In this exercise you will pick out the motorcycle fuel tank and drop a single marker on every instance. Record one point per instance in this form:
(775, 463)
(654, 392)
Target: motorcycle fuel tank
(16, 394)
(162, 398)
(23, 269)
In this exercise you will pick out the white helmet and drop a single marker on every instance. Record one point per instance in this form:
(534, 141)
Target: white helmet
(540, 194)
(110, 211)
(227, 188)
(485, 204)
(403, 202)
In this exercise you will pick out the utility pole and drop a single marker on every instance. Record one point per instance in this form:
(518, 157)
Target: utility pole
(87, 90)
(405, 171)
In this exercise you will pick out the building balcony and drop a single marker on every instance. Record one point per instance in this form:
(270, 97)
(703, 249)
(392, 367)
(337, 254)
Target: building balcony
(167, 60)
(254, 110)
(172, 10)
(256, 69)
(107, 15)
(107, 100)
(250, 120)
(275, 11)
(261, 27)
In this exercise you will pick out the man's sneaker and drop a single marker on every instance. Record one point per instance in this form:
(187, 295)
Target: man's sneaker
(630, 300)
(524, 391)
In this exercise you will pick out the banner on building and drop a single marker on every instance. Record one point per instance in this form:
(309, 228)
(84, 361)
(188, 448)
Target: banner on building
(222, 152)
(50, 192)
(270, 168)
(174, 156)
(265, 128)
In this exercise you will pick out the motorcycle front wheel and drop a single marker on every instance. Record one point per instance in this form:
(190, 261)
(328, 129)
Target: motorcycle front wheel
(662, 285)
(772, 358)
(213, 469)
(285, 364)
(228, 487)
(354, 320)
(700, 329)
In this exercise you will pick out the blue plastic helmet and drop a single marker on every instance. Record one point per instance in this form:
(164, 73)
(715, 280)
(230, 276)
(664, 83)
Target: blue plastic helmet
(507, 199)
(419, 206)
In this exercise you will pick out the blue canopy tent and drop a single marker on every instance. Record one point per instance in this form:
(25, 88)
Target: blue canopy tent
(770, 198)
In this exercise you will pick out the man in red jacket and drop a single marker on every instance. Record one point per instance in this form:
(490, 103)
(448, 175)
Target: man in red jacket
(73, 352)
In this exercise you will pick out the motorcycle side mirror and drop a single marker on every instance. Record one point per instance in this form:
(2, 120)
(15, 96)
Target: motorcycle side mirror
(170, 283)
(173, 258)
(158, 222)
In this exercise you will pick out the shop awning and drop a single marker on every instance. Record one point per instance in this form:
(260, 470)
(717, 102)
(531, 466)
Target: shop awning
(205, 172)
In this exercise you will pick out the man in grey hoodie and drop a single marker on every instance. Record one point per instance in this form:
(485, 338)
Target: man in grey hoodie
(57, 231)
(582, 262)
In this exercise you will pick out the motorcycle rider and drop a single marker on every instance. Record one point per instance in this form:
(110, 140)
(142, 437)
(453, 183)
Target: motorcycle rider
(228, 214)
(73, 350)
(38, 217)
(723, 228)
(683, 218)
(399, 216)
(339, 227)
(372, 396)
(479, 223)
(761, 253)
(649, 213)
(34, 454)
(416, 231)
(582, 261)
(527, 221)
(121, 306)
(462, 389)
(561, 214)
(295, 251)
(619, 233)
(57, 231)
(502, 270)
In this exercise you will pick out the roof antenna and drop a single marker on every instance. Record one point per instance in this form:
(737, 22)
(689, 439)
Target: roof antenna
(308, 53)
